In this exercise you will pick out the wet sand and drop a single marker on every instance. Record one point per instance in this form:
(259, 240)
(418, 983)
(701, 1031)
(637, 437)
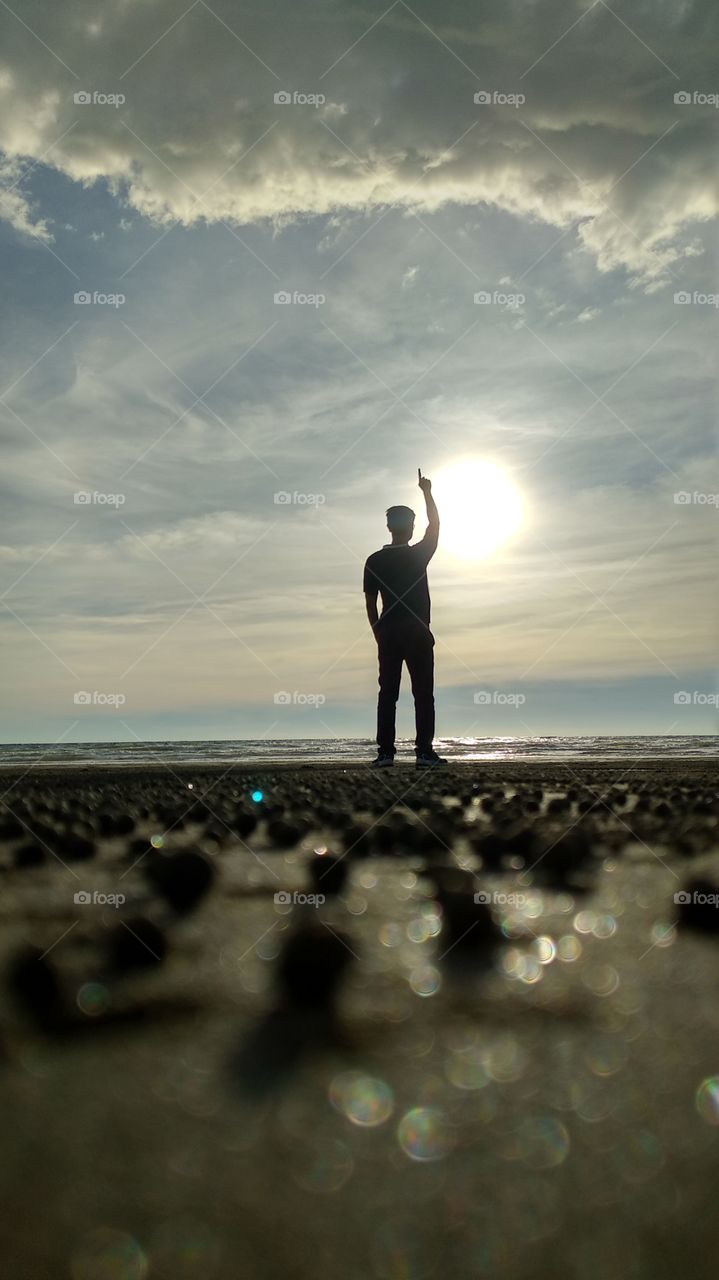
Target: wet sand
(490, 1050)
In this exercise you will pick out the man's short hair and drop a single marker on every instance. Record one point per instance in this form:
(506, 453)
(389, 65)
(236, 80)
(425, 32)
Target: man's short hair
(399, 518)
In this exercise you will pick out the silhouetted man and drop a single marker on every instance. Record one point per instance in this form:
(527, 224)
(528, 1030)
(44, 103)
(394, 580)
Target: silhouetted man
(399, 573)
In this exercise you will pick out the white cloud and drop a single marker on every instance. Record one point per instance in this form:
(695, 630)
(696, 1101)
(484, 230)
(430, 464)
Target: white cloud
(203, 535)
(17, 208)
(187, 147)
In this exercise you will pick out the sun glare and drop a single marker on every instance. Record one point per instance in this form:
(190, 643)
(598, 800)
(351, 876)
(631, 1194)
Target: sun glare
(480, 508)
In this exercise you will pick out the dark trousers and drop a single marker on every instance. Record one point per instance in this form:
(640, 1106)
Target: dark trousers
(413, 643)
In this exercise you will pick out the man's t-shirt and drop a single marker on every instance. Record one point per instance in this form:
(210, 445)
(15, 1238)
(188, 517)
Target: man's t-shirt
(399, 573)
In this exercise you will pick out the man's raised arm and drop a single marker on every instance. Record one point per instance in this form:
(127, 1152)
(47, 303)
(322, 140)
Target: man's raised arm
(432, 533)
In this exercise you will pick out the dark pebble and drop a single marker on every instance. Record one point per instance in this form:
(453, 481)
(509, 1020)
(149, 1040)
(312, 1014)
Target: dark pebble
(383, 838)
(701, 914)
(357, 841)
(328, 873)
(283, 833)
(35, 986)
(182, 878)
(311, 967)
(468, 927)
(138, 847)
(11, 829)
(31, 854)
(492, 848)
(73, 847)
(136, 944)
(521, 842)
(560, 860)
(243, 823)
(558, 804)
(105, 824)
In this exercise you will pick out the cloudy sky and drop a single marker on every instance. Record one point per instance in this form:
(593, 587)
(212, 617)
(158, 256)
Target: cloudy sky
(180, 166)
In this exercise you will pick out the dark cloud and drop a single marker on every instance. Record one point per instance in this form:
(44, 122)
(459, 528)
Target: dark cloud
(599, 140)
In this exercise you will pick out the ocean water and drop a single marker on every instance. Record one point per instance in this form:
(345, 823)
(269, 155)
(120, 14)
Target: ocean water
(354, 750)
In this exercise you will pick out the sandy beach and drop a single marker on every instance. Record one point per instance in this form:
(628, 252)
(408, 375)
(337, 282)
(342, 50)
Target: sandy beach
(491, 1049)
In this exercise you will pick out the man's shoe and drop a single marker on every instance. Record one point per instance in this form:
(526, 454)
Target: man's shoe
(429, 760)
(383, 761)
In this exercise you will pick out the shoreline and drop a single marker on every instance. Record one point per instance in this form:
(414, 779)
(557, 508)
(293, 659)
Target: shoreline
(495, 768)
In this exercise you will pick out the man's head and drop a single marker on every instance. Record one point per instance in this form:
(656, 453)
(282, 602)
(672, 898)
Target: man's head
(400, 522)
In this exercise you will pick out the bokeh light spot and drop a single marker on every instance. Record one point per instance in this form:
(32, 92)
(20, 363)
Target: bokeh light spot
(707, 1100)
(365, 1100)
(423, 1134)
(106, 1254)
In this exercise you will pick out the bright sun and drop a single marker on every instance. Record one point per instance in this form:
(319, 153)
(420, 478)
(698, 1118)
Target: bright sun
(480, 508)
